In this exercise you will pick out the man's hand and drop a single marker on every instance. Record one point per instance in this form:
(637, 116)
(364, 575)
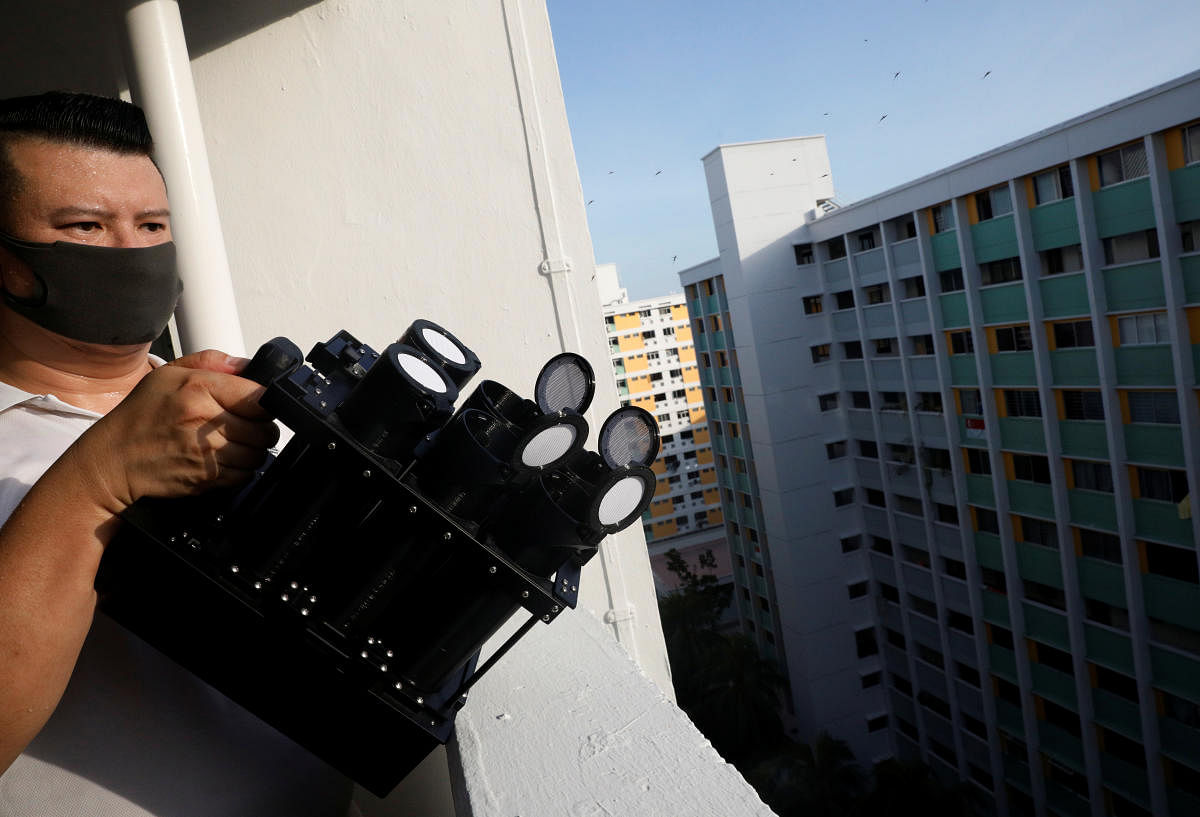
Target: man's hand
(187, 427)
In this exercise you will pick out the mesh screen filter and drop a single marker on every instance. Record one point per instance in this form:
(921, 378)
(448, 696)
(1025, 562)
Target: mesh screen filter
(628, 437)
(422, 372)
(563, 384)
(548, 446)
(443, 346)
(621, 500)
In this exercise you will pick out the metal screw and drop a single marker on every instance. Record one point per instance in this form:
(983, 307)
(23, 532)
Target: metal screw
(332, 445)
(399, 685)
(316, 391)
(524, 594)
(235, 569)
(283, 597)
(420, 700)
(554, 609)
(545, 618)
(220, 518)
(412, 508)
(367, 473)
(574, 588)
(492, 569)
(383, 667)
(447, 536)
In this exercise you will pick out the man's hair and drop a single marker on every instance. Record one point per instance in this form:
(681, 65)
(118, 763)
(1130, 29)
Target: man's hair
(68, 118)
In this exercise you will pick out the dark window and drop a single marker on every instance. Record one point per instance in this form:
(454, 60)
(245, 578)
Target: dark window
(860, 399)
(852, 350)
(876, 498)
(1153, 407)
(868, 448)
(828, 402)
(986, 520)
(946, 513)
(1116, 683)
(1013, 339)
(835, 450)
(1123, 164)
(1062, 259)
(933, 702)
(872, 679)
(971, 400)
(993, 203)
(1039, 532)
(866, 241)
(877, 294)
(812, 305)
(1083, 405)
(967, 673)
(978, 461)
(1022, 403)
(1000, 272)
(1032, 468)
(1141, 245)
(820, 353)
(1092, 476)
(1053, 185)
(922, 344)
(843, 497)
(1001, 636)
(1055, 659)
(1119, 746)
(954, 567)
(961, 342)
(889, 592)
(993, 580)
(961, 622)
(943, 217)
(1160, 483)
(886, 347)
(914, 287)
(804, 253)
(1098, 545)
(951, 280)
(901, 684)
(923, 606)
(1106, 614)
(858, 589)
(1174, 562)
(844, 299)
(906, 728)
(1074, 334)
(865, 642)
(881, 544)
(851, 543)
(894, 638)
(835, 248)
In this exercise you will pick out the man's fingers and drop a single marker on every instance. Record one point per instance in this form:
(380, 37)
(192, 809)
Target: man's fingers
(239, 457)
(213, 361)
(255, 433)
(237, 396)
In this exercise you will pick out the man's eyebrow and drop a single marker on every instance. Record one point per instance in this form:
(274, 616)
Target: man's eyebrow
(73, 210)
(156, 212)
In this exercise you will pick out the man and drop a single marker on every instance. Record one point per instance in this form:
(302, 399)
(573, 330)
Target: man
(93, 721)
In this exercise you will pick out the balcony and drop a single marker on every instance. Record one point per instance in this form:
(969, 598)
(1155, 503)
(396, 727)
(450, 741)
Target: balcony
(1102, 581)
(962, 370)
(1171, 600)
(1013, 369)
(1032, 498)
(1008, 717)
(1064, 295)
(994, 239)
(1134, 286)
(1126, 779)
(1083, 438)
(1054, 225)
(1123, 208)
(1061, 745)
(1155, 519)
(1154, 443)
(1180, 741)
(1003, 303)
(1190, 266)
(1022, 434)
(1074, 367)
(1144, 366)
(945, 250)
(1108, 647)
(1039, 564)
(1046, 625)
(1054, 685)
(1175, 671)
(995, 608)
(1117, 713)
(954, 310)
(1004, 662)
(987, 550)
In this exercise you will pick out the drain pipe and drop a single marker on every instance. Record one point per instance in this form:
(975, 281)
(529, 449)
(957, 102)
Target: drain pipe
(160, 75)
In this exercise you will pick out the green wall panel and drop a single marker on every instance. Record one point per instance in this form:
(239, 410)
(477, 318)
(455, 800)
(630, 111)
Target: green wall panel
(1046, 625)
(1160, 520)
(994, 239)
(1083, 438)
(1074, 367)
(987, 550)
(1135, 286)
(1054, 224)
(1092, 509)
(1022, 434)
(1013, 369)
(1057, 686)
(963, 371)
(1004, 661)
(979, 490)
(1039, 564)
(1176, 673)
(1171, 599)
(954, 310)
(1032, 498)
(1190, 264)
(945, 250)
(1185, 190)
(1154, 443)
(1064, 295)
(1182, 743)
(1144, 366)
(1109, 648)
(1004, 303)
(1102, 581)
(1123, 208)
(995, 607)
(1117, 713)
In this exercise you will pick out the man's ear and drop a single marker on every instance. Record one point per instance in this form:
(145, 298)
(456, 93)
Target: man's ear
(15, 277)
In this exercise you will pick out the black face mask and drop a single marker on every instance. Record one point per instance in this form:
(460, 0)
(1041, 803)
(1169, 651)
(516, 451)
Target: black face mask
(110, 295)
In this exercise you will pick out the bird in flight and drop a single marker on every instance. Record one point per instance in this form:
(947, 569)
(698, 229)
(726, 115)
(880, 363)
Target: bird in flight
(611, 172)
(826, 113)
(896, 75)
(881, 118)
(985, 76)
(590, 203)
(673, 257)
(657, 172)
(824, 175)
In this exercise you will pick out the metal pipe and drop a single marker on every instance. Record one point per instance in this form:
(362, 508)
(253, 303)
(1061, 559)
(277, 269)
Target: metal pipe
(160, 74)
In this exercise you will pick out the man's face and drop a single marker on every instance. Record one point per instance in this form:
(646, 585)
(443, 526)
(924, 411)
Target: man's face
(83, 196)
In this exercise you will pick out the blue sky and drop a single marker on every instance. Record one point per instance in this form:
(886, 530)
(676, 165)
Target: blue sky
(653, 85)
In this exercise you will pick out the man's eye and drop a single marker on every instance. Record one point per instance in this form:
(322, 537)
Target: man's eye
(154, 226)
(85, 226)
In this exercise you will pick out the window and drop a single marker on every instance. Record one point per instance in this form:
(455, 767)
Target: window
(1000, 272)
(894, 637)
(971, 400)
(804, 253)
(873, 679)
(898, 452)
(669, 330)
(913, 287)
(1022, 403)
(828, 402)
(936, 458)
(877, 294)
(1153, 407)
(954, 568)
(1038, 532)
(820, 353)
(993, 203)
(889, 592)
(960, 621)
(903, 228)
(893, 401)
(978, 461)
(844, 299)
(901, 684)
(1100, 545)
(857, 590)
(835, 248)
(1143, 329)
(860, 399)
(961, 342)
(876, 498)
(1074, 334)
(986, 520)
(886, 347)
(909, 505)
(1106, 614)
(843, 497)
(1001, 636)
(1092, 476)
(1131, 247)
(922, 606)
(851, 543)
(930, 401)
(1014, 339)
(922, 344)
(1189, 235)
(1165, 484)
(868, 449)
(1174, 562)
(1062, 259)
(951, 280)
(835, 450)
(1083, 405)
(1031, 468)
(916, 556)
(866, 241)
(946, 513)
(865, 644)
(943, 217)
(1053, 185)
(852, 350)
(812, 305)
(1191, 144)
(1123, 164)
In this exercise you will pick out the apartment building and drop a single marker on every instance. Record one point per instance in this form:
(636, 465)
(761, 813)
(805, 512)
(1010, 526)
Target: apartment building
(653, 357)
(967, 433)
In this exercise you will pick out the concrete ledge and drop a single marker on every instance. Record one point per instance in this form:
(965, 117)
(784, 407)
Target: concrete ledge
(566, 725)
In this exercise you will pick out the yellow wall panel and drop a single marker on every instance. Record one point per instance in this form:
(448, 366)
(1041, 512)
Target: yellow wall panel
(1134, 486)
(1010, 471)
(659, 509)
(636, 363)
(1001, 406)
(688, 355)
(715, 517)
(630, 320)
(701, 436)
(1093, 166)
(695, 395)
(661, 529)
(683, 334)
(659, 467)
(697, 415)
(708, 476)
(1123, 396)
(1174, 140)
(691, 374)
(1061, 404)
(646, 403)
(1193, 316)
(1070, 474)
(629, 342)
(712, 495)
(1030, 193)
(972, 210)
(679, 312)
(704, 456)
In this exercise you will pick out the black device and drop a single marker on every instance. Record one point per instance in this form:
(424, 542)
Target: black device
(344, 594)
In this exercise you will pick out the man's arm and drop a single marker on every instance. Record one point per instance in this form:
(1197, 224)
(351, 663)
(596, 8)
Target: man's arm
(187, 427)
